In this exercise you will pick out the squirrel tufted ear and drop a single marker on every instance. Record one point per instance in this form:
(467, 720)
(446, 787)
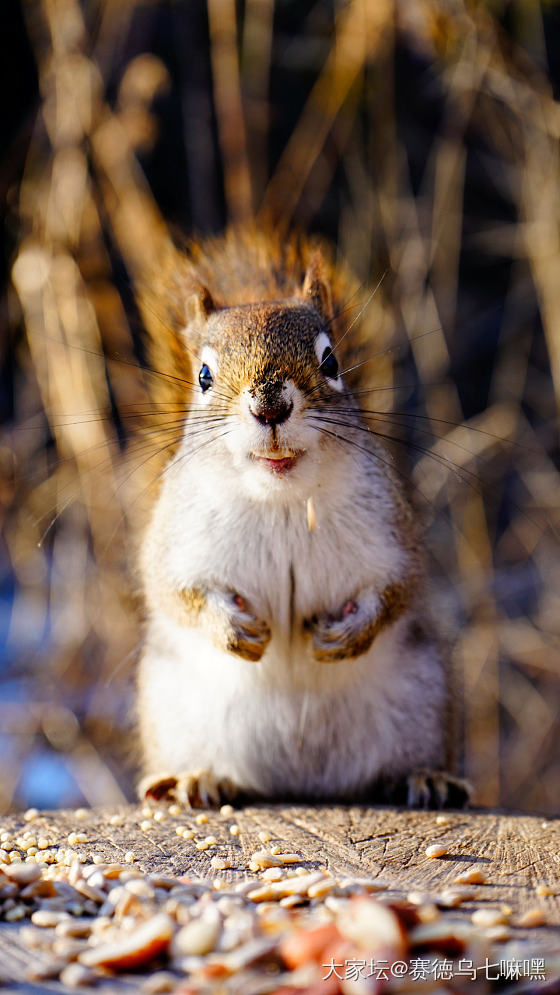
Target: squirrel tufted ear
(315, 287)
(200, 303)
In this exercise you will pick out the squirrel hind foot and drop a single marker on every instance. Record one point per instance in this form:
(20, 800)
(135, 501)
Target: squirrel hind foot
(157, 787)
(195, 789)
(436, 789)
(427, 789)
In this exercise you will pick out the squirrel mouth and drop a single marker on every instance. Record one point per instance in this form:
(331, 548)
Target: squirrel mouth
(277, 463)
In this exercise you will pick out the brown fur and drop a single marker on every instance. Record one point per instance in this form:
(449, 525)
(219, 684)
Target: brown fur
(250, 266)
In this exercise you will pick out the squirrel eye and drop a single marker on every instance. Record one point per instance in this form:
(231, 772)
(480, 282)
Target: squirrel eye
(205, 378)
(329, 364)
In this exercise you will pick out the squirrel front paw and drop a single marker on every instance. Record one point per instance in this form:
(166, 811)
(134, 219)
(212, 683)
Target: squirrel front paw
(351, 632)
(227, 618)
(236, 628)
(344, 637)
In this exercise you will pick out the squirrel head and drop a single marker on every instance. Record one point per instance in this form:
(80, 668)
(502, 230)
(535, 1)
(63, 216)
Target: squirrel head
(265, 342)
(267, 368)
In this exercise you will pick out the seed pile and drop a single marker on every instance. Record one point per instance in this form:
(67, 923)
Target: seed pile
(286, 929)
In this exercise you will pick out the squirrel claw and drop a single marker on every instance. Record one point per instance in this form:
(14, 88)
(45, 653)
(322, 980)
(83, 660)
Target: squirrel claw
(203, 790)
(199, 789)
(157, 787)
(436, 789)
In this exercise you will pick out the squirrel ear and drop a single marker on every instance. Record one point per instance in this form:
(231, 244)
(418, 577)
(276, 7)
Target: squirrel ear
(200, 303)
(315, 287)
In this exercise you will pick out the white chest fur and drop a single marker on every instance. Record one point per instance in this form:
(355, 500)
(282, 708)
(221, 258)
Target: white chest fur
(209, 531)
(286, 724)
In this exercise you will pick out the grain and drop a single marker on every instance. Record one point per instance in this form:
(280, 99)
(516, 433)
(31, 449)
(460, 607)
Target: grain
(302, 947)
(532, 918)
(354, 886)
(498, 934)
(543, 889)
(68, 948)
(489, 917)
(311, 515)
(452, 898)
(436, 850)
(45, 970)
(76, 975)
(140, 887)
(373, 926)
(474, 875)
(262, 859)
(196, 939)
(418, 897)
(291, 901)
(47, 918)
(272, 874)
(131, 951)
(275, 890)
(16, 913)
(23, 874)
(220, 863)
(321, 888)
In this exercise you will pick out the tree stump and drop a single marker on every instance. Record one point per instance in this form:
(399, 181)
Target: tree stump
(518, 855)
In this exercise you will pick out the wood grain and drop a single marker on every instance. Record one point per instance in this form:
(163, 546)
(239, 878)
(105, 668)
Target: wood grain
(516, 853)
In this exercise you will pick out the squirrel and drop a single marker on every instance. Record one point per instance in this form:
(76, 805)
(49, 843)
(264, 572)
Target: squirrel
(288, 651)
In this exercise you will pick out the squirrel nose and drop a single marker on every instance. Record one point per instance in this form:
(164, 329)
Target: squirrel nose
(271, 414)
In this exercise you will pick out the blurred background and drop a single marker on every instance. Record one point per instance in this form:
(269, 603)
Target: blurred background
(422, 139)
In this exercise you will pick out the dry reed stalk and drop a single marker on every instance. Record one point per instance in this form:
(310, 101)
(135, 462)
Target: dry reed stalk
(360, 32)
(229, 109)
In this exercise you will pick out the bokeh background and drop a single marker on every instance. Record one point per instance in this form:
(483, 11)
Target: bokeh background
(422, 139)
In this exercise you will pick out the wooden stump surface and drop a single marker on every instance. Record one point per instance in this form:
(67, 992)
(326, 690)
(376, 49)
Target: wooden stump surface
(517, 853)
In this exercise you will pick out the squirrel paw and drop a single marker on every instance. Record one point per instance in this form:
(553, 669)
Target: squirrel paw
(436, 789)
(345, 637)
(245, 634)
(199, 789)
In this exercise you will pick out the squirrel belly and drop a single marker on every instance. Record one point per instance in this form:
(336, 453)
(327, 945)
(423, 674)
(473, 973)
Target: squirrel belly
(286, 724)
(276, 740)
